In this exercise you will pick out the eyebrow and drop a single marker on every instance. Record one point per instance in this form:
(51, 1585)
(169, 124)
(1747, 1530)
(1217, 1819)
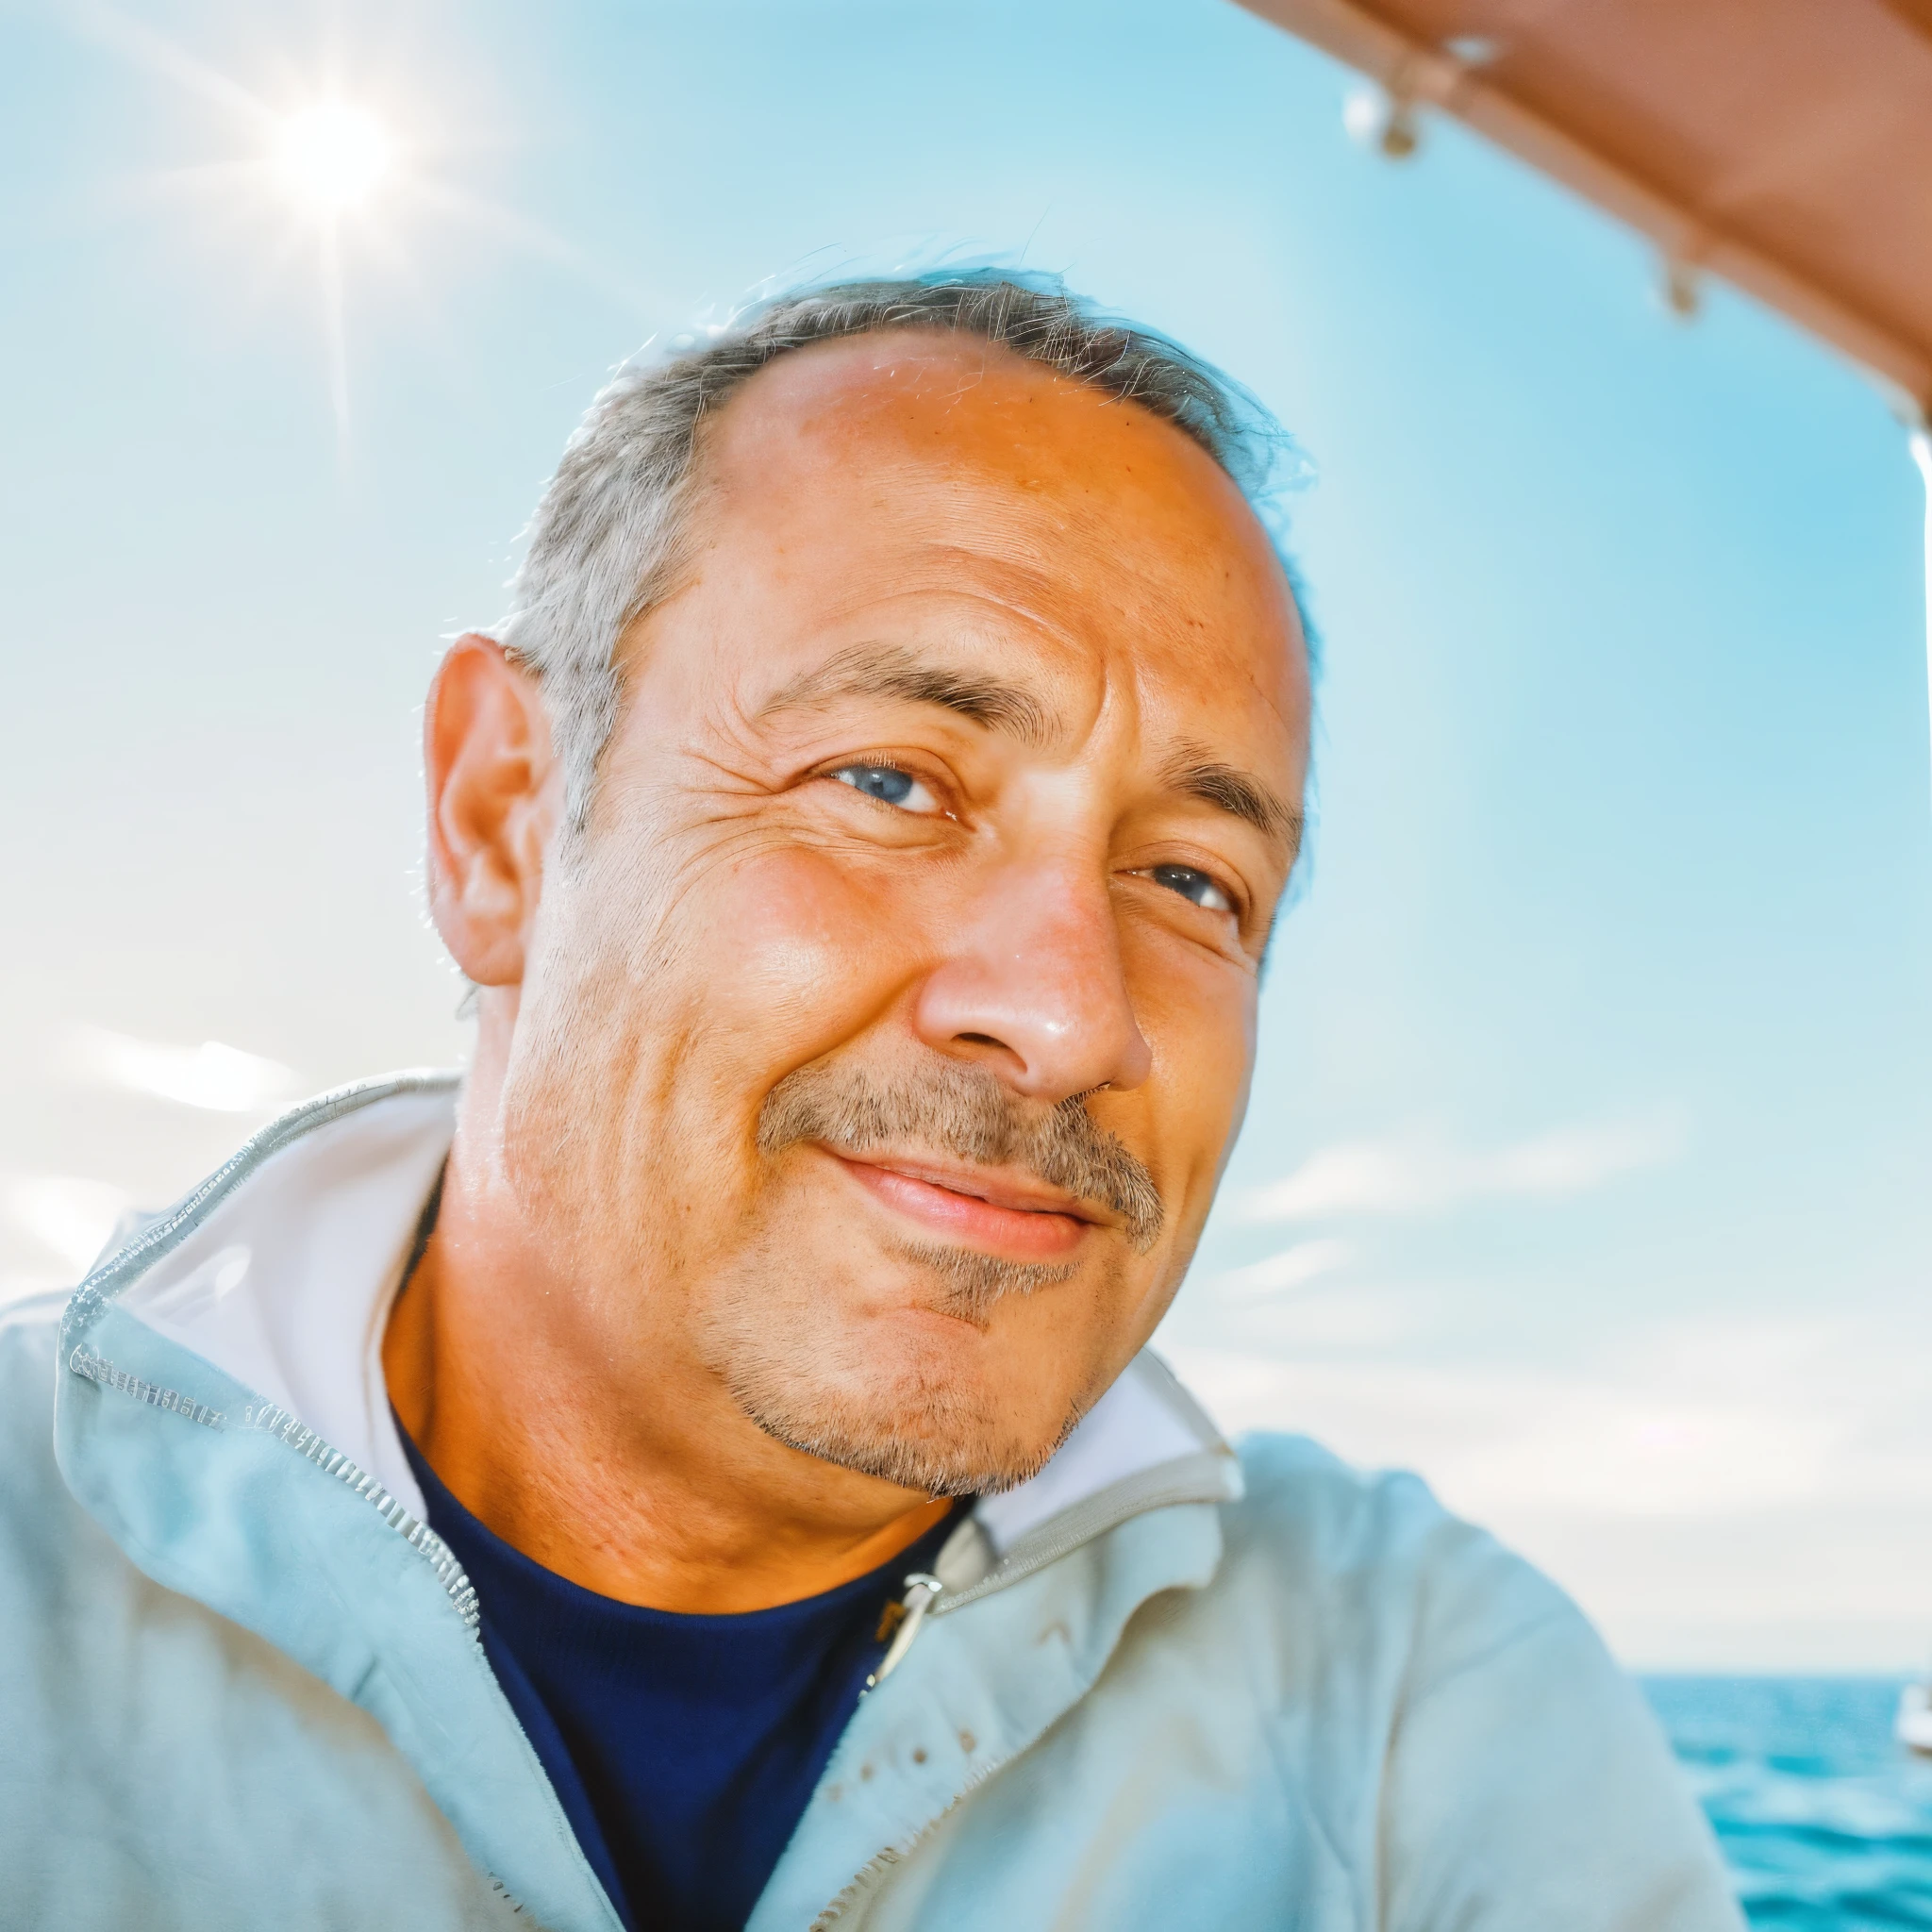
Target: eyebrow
(1234, 791)
(891, 671)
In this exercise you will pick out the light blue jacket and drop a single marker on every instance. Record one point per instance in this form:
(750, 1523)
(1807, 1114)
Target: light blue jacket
(240, 1684)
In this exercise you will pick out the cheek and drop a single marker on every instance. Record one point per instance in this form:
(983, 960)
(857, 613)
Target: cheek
(689, 993)
(798, 954)
(1198, 1016)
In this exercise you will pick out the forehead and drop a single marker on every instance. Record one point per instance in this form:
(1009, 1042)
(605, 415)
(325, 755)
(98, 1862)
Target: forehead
(910, 466)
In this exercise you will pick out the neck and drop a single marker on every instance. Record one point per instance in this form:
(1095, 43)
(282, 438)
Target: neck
(661, 1492)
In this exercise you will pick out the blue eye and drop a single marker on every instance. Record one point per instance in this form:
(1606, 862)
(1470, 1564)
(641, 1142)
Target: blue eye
(1192, 885)
(889, 785)
(878, 781)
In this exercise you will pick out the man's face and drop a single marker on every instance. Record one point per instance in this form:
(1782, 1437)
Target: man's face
(879, 1048)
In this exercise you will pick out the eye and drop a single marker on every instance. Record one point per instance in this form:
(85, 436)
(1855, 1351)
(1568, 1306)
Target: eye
(889, 785)
(1192, 884)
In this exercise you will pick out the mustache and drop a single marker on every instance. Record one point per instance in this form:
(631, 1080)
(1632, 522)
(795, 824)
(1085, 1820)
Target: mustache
(965, 1111)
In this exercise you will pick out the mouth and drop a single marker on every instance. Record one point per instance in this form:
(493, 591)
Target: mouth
(1012, 1216)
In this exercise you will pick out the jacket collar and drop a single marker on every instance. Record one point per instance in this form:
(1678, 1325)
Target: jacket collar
(280, 1269)
(220, 1412)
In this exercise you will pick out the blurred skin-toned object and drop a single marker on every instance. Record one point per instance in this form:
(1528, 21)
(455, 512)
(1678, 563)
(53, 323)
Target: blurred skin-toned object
(1784, 145)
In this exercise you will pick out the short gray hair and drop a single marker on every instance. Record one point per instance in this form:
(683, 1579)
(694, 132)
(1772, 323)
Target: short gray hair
(604, 547)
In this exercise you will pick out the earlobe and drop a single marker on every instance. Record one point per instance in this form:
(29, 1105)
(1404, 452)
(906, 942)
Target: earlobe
(493, 795)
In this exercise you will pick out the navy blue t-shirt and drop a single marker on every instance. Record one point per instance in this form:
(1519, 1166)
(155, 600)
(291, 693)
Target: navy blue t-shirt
(684, 1749)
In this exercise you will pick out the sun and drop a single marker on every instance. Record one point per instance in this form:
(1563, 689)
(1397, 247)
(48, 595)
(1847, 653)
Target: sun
(340, 168)
(332, 156)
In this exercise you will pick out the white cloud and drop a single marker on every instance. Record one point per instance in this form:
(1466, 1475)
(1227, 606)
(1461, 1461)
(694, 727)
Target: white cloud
(1291, 1268)
(1739, 1492)
(1329, 1319)
(1413, 1176)
(221, 1079)
(1683, 1420)
(70, 1217)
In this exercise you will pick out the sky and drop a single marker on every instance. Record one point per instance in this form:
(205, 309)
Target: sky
(1586, 1166)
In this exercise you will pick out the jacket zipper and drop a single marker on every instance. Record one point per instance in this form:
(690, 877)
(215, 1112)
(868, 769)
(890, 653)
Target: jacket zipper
(922, 1591)
(290, 1428)
(866, 1878)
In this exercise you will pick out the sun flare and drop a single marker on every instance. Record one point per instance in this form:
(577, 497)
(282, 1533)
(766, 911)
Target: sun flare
(333, 156)
(339, 168)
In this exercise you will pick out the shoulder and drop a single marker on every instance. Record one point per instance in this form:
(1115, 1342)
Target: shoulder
(1520, 1780)
(1321, 1519)
(29, 1339)
(33, 1496)
(1379, 1565)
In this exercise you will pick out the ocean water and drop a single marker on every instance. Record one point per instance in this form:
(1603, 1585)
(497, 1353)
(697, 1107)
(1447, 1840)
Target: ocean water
(1824, 1821)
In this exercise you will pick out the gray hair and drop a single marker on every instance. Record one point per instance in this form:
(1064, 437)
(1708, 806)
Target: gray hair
(604, 547)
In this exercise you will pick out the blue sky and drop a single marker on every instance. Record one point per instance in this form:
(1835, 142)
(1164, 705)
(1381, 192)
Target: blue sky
(1586, 1169)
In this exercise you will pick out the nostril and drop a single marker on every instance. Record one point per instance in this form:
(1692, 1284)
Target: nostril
(979, 1039)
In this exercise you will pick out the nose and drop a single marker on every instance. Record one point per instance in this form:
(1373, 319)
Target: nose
(1034, 987)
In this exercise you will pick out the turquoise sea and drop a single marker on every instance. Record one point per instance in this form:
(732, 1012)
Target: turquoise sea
(1827, 1824)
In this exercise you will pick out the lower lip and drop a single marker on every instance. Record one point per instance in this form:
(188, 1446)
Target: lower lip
(1014, 1234)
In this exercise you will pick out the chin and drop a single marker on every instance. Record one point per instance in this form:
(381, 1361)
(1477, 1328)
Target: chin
(928, 1401)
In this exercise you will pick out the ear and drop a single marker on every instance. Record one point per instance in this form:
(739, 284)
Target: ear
(495, 795)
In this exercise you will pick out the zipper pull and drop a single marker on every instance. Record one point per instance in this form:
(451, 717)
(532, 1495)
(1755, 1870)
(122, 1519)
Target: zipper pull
(922, 1591)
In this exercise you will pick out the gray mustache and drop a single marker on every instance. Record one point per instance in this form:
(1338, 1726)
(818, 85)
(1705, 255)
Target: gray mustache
(966, 1112)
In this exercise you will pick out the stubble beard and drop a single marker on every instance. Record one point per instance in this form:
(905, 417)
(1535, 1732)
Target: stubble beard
(916, 1420)
(912, 1419)
(769, 1331)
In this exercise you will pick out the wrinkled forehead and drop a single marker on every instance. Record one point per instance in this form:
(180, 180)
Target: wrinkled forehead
(909, 463)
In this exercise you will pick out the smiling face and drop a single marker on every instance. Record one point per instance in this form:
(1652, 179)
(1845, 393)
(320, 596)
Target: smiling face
(880, 1045)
